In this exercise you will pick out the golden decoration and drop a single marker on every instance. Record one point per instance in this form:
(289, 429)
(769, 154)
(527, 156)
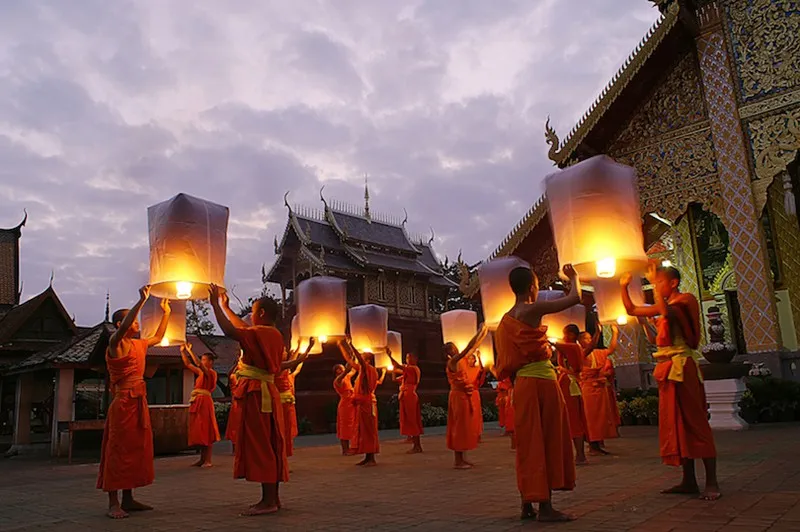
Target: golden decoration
(775, 103)
(787, 240)
(775, 140)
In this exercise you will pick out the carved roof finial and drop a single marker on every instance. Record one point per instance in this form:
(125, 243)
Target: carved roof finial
(286, 202)
(551, 137)
(432, 238)
(406, 217)
(366, 197)
(322, 198)
(275, 244)
(52, 277)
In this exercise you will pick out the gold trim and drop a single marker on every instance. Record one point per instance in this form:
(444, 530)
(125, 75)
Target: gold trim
(770, 104)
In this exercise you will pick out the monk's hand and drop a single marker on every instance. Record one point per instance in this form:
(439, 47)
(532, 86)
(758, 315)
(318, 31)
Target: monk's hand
(625, 280)
(570, 272)
(311, 342)
(144, 292)
(614, 327)
(652, 268)
(224, 299)
(165, 306)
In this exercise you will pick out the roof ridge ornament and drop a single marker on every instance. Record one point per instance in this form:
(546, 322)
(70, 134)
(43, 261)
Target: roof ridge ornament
(366, 198)
(551, 138)
(321, 197)
(432, 238)
(405, 219)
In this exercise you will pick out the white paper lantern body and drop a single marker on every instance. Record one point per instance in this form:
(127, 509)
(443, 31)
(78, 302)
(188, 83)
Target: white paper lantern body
(150, 317)
(394, 340)
(459, 326)
(596, 218)
(322, 307)
(300, 343)
(486, 351)
(188, 247)
(636, 291)
(608, 298)
(497, 298)
(369, 328)
(556, 322)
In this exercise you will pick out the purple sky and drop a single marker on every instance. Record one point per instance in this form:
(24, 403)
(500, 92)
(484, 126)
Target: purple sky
(107, 107)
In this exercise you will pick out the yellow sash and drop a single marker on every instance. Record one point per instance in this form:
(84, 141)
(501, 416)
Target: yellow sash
(198, 391)
(678, 354)
(574, 387)
(538, 370)
(243, 371)
(287, 398)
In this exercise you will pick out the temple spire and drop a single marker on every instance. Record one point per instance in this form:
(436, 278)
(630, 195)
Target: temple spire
(366, 197)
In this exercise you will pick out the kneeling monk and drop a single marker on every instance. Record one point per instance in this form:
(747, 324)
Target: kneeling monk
(126, 459)
(683, 428)
(545, 461)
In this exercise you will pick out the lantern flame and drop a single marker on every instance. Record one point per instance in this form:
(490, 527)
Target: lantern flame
(606, 268)
(622, 320)
(165, 342)
(666, 263)
(183, 289)
(390, 367)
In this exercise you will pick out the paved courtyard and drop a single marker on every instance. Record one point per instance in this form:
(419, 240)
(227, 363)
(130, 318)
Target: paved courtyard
(759, 471)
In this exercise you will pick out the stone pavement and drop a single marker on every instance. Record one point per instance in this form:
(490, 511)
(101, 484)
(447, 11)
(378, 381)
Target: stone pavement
(759, 471)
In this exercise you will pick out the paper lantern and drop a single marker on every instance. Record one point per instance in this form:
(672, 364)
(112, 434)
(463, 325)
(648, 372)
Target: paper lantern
(636, 291)
(394, 341)
(596, 219)
(486, 351)
(301, 342)
(322, 307)
(608, 299)
(459, 326)
(176, 326)
(188, 246)
(556, 322)
(369, 328)
(497, 298)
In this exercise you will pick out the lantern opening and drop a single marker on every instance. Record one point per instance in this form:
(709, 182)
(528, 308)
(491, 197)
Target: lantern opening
(666, 263)
(606, 268)
(165, 342)
(366, 350)
(323, 339)
(552, 339)
(390, 367)
(183, 290)
(622, 320)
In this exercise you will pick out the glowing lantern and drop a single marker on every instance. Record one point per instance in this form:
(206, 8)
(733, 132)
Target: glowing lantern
(497, 298)
(608, 298)
(188, 246)
(596, 219)
(486, 351)
(369, 329)
(176, 326)
(322, 307)
(394, 341)
(556, 322)
(301, 342)
(459, 326)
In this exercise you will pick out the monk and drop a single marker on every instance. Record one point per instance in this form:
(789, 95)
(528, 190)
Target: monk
(126, 458)
(285, 383)
(462, 432)
(600, 424)
(410, 411)
(203, 430)
(234, 415)
(683, 429)
(476, 374)
(570, 363)
(260, 453)
(505, 406)
(544, 458)
(345, 411)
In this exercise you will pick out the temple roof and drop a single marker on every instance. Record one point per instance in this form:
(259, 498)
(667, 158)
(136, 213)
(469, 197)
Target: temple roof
(12, 320)
(86, 347)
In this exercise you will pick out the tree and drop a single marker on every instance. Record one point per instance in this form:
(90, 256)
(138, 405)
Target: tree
(246, 308)
(197, 318)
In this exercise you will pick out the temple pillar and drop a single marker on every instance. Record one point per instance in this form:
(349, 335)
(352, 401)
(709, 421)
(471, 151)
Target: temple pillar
(63, 407)
(22, 409)
(747, 243)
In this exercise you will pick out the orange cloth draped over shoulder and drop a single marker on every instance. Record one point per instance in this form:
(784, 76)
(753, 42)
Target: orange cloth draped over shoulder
(126, 459)
(260, 444)
(545, 460)
(285, 383)
(367, 440)
(476, 376)
(502, 400)
(410, 411)
(345, 411)
(462, 431)
(611, 393)
(683, 428)
(570, 363)
(593, 382)
(203, 430)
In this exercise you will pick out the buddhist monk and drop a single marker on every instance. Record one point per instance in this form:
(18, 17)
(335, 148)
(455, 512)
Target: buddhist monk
(544, 458)
(570, 363)
(126, 459)
(203, 430)
(260, 453)
(234, 414)
(410, 411)
(476, 374)
(462, 432)
(683, 429)
(345, 411)
(285, 383)
(600, 424)
(505, 406)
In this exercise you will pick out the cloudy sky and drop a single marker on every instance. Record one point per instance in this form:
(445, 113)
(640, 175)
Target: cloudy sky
(107, 107)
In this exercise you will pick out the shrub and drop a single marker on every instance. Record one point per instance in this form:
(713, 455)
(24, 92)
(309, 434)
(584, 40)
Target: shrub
(490, 412)
(388, 413)
(638, 409)
(305, 427)
(433, 416)
(769, 399)
(221, 413)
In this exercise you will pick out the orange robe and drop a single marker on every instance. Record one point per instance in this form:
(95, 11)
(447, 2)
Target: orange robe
(544, 457)
(611, 390)
(683, 428)
(502, 400)
(285, 383)
(260, 446)
(569, 357)
(476, 377)
(345, 411)
(203, 430)
(234, 417)
(593, 382)
(462, 431)
(410, 411)
(367, 441)
(126, 459)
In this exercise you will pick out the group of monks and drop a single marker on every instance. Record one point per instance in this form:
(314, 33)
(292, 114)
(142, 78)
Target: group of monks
(547, 410)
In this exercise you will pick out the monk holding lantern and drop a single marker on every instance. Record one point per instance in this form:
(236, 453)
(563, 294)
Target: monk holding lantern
(203, 430)
(345, 410)
(600, 422)
(410, 411)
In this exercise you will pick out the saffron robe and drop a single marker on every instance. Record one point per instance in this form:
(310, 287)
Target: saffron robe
(683, 428)
(593, 382)
(611, 391)
(203, 430)
(126, 456)
(570, 364)
(544, 457)
(410, 410)
(462, 431)
(501, 401)
(285, 383)
(234, 416)
(260, 445)
(476, 376)
(367, 440)
(346, 410)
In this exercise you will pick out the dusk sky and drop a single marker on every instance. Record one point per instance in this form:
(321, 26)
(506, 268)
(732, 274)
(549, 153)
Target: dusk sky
(107, 107)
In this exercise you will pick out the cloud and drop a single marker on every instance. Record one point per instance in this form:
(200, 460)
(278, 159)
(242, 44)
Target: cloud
(109, 107)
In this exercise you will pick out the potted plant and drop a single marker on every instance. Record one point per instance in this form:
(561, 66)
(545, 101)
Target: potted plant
(651, 409)
(748, 408)
(625, 414)
(638, 408)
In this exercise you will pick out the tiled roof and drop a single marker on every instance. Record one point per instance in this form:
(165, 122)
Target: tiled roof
(81, 349)
(375, 232)
(227, 351)
(17, 316)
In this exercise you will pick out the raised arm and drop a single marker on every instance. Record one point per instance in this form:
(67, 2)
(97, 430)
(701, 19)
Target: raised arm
(235, 320)
(472, 346)
(557, 305)
(162, 325)
(659, 308)
(382, 376)
(192, 365)
(398, 368)
(614, 343)
(220, 313)
(130, 317)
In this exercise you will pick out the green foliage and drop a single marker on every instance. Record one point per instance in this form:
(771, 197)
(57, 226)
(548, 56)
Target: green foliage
(388, 413)
(305, 427)
(433, 416)
(490, 412)
(221, 411)
(198, 321)
(768, 399)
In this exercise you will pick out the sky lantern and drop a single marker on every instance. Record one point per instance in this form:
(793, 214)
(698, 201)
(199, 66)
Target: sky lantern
(596, 218)
(322, 307)
(301, 342)
(150, 317)
(497, 298)
(369, 330)
(394, 341)
(459, 326)
(608, 299)
(188, 247)
(486, 351)
(556, 322)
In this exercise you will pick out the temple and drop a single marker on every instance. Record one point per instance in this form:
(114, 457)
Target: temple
(707, 109)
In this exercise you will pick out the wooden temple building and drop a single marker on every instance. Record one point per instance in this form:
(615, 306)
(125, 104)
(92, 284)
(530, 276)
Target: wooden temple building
(707, 110)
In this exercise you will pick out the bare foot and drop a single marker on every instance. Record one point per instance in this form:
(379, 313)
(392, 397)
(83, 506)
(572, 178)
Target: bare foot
(371, 463)
(115, 512)
(682, 489)
(415, 450)
(260, 508)
(362, 462)
(198, 463)
(527, 511)
(207, 464)
(554, 516)
(464, 465)
(711, 493)
(135, 506)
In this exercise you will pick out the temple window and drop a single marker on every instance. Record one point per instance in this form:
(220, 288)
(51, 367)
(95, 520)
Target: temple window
(381, 289)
